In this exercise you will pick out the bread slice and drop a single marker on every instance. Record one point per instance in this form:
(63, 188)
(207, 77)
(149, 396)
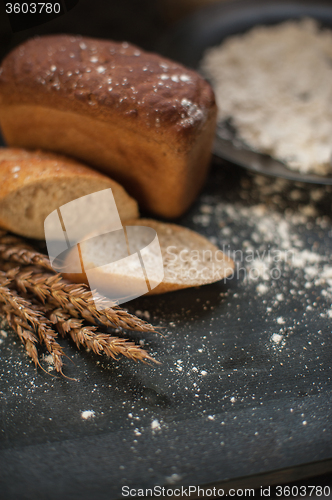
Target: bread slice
(33, 184)
(188, 260)
(146, 121)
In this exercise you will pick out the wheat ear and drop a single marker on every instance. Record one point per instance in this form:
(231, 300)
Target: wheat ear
(76, 298)
(26, 321)
(89, 337)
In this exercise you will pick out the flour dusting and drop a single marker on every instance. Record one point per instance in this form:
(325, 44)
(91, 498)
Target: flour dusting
(274, 85)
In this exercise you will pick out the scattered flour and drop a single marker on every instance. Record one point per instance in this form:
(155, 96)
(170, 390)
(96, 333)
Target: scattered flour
(277, 338)
(143, 314)
(280, 246)
(173, 479)
(155, 425)
(274, 244)
(262, 289)
(87, 414)
(48, 358)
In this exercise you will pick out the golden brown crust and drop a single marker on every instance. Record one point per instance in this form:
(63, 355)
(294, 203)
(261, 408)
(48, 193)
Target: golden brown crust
(19, 168)
(160, 179)
(101, 78)
(152, 132)
(34, 183)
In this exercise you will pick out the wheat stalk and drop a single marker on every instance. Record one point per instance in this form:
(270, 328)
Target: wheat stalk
(76, 299)
(23, 330)
(111, 346)
(61, 308)
(89, 337)
(26, 321)
(63, 293)
(15, 249)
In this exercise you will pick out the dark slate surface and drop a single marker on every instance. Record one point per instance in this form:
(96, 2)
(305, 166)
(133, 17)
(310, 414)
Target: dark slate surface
(229, 401)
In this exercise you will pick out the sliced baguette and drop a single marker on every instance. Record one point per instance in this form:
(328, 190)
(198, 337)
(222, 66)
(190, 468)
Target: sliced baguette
(189, 260)
(33, 184)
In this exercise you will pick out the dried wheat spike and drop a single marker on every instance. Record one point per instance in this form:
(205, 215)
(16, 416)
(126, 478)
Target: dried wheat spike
(65, 293)
(66, 323)
(62, 291)
(23, 330)
(111, 346)
(64, 303)
(96, 341)
(76, 299)
(14, 249)
(30, 319)
(6, 265)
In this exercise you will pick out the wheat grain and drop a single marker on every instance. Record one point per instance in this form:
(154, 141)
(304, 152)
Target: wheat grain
(31, 319)
(57, 306)
(76, 298)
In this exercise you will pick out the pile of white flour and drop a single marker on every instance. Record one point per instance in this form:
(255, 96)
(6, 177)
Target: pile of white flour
(275, 85)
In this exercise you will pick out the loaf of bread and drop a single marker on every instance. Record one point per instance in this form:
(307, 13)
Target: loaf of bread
(33, 184)
(188, 260)
(144, 120)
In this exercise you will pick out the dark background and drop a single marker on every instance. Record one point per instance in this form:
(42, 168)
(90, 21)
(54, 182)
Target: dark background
(47, 452)
(140, 22)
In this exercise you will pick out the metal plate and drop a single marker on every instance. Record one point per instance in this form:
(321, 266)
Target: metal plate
(209, 27)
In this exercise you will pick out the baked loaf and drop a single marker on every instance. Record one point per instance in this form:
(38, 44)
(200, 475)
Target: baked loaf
(33, 184)
(188, 258)
(143, 119)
